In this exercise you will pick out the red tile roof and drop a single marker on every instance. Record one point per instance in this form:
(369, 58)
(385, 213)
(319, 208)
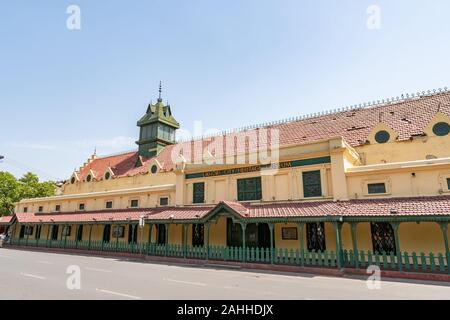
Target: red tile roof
(180, 213)
(420, 206)
(5, 219)
(407, 118)
(99, 216)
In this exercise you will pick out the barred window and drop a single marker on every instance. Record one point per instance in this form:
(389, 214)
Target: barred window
(383, 239)
(316, 236)
(198, 234)
(66, 231)
(249, 189)
(28, 230)
(199, 192)
(38, 232)
(448, 183)
(312, 186)
(80, 233)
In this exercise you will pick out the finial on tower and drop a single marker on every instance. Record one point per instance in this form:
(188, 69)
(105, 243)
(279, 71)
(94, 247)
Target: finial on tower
(160, 91)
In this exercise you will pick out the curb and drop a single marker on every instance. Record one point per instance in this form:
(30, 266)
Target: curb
(321, 271)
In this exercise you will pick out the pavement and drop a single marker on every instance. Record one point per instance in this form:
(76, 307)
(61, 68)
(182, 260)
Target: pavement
(45, 276)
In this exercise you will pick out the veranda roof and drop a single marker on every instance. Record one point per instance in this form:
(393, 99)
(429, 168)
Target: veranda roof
(391, 207)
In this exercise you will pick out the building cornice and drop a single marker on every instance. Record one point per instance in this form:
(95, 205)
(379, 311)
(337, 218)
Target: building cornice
(398, 166)
(166, 187)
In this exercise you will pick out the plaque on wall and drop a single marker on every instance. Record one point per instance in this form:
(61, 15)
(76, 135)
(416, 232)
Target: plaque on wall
(289, 233)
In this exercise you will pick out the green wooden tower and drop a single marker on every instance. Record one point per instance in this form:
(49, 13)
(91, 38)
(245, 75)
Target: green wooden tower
(157, 128)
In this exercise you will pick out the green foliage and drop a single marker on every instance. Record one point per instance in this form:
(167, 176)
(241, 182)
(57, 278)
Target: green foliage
(13, 190)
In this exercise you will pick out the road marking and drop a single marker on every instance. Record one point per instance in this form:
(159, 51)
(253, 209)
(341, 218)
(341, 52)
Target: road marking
(98, 270)
(119, 294)
(186, 282)
(32, 276)
(44, 262)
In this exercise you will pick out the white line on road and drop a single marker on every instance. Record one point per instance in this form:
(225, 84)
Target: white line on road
(32, 276)
(98, 270)
(44, 262)
(119, 294)
(186, 282)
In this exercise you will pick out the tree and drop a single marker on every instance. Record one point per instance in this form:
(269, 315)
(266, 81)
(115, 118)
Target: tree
(9, 193)
(13, 190)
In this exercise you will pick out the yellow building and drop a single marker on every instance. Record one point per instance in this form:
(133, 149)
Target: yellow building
(363, 185)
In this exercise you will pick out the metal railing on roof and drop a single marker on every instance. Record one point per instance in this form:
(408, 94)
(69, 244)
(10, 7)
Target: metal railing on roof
(370, 104)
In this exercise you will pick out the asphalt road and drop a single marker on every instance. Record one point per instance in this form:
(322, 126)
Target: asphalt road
(39, 275)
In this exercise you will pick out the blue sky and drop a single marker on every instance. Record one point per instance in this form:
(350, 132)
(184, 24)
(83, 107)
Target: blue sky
(224, 63)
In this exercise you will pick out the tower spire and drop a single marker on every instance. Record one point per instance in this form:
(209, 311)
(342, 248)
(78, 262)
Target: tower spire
(160, 91)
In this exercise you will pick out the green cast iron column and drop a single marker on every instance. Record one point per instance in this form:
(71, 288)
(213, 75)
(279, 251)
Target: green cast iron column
(207, 240)
(354, 226)
(48, 235)
(76, 236)
(35, 236)
(65, 236)
(132, 237)
(117, 236)
(185, 229)
(149, 244)
(395, 226)
(103, 236)
(272, 249)
(244, 227)
(338, 229)
(301, 227)
(90, 236)
(167, 239)
(444, 228)
(27, 227)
